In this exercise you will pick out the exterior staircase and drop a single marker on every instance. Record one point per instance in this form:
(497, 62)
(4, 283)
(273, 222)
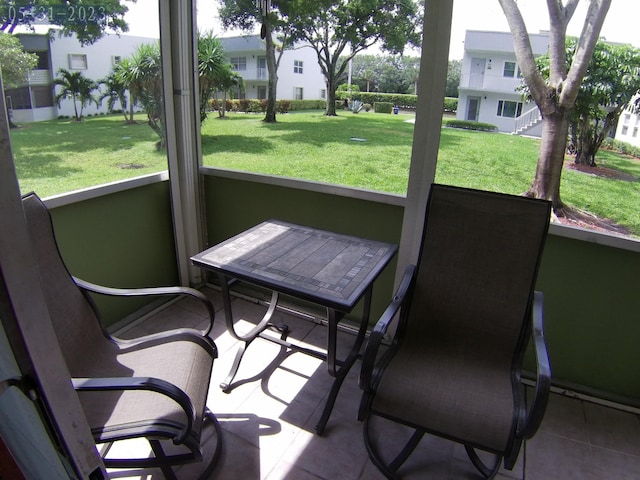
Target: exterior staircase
(528, 120)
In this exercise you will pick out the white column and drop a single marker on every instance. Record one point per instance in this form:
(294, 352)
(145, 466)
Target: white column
(426, 137)
(179, 47)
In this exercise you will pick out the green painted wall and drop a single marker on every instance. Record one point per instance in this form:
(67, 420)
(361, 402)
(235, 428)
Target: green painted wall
(592, 314)
(123, 239)
(592, 308)
(235, 205)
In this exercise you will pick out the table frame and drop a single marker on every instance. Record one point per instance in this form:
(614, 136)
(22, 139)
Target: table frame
(335, 312)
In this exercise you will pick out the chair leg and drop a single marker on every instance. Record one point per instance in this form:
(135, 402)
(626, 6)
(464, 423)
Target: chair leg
(210, 417)
(389, 470)
(487, 472)
(160, 456)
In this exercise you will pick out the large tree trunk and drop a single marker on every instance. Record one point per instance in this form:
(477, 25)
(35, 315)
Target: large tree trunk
(331, 98)
(585, 143)
(270, 116)
(546, 183)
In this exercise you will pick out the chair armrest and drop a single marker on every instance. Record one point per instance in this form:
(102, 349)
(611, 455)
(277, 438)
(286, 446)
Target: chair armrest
(141, 383)
(377, 334)
(536, 411)
(133, 292)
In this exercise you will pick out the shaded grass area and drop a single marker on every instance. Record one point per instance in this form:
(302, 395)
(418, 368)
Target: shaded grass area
(367, 150)
(59, 156)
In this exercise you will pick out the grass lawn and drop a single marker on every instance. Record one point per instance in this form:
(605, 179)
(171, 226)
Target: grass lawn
(367, 150)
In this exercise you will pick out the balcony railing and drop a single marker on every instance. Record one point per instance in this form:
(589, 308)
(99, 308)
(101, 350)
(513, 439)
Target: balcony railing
(39, 77)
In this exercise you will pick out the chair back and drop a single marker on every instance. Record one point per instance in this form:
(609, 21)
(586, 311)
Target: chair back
(76, 325)
(476, 273)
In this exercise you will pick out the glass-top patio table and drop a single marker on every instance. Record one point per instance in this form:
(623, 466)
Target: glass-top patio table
(326, 268)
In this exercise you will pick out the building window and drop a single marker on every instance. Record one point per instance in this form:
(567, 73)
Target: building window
(42, 96)
(510, 69)
(297, 66)
(626, 119)
(262, 92)
(18, 98)
(239, 63)
(297, 93)
(509, 109)
(323, 93)
(116, 59)
(77, 61)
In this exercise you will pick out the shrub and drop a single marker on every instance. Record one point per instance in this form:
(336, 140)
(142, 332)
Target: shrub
(450, 104)
(469, 125)
(383, 107)
(283, 106)
(621, 147)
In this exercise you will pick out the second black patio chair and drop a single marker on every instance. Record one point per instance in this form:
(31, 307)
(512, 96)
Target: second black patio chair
(153, 387)
(466, 313)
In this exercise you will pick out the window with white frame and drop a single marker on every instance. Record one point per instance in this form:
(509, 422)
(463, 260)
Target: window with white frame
(297, 93)
(239, 63)
(507, 108)
(511, 69)
(297, 66)
(323, 93)
(116, 59)
(626, 119)
(77, 61)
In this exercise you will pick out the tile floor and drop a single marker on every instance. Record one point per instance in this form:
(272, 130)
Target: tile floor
(268, 420)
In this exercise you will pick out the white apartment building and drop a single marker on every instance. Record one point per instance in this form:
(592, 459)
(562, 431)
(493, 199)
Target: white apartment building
(628, 128)
(489, 80)
(34, 101)
(299, 75)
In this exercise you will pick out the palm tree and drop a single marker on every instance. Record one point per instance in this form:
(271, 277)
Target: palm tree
(115, 91)
(77, 87)
(142, 72)
(227, 80)
(212, 66)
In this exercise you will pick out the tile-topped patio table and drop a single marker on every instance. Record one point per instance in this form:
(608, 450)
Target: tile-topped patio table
(326, 268)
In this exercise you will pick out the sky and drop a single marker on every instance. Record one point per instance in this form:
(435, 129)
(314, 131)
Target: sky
(620, 25)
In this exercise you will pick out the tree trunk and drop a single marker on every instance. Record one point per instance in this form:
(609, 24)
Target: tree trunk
(270, 115)
(585, 145)
(331, 98)
(546, 184)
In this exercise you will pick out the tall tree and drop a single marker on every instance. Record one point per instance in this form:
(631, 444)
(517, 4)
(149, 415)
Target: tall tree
(142, 72)
(87, 20)
(245, 15)
(212, 67)
(338, 29)
(75, 87)
(556, 95)
(608, 87)
(15, 63)
(115, 90)
(453, 78)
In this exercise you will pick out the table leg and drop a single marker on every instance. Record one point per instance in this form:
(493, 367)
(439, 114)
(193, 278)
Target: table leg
(247, 338)
(340, 373)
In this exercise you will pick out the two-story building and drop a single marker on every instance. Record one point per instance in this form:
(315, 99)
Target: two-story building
(489, 80)
(299, 75)
(34, 101)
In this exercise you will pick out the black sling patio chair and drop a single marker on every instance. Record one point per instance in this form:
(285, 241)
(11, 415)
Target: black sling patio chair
(153, 387)
(466, 313)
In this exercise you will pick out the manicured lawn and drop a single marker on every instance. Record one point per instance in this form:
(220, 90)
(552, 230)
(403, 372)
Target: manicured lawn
(367, 150)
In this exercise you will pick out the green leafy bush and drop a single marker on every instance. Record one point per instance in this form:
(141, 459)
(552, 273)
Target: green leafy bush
(382, 107)
(621, 147)
(470, 125)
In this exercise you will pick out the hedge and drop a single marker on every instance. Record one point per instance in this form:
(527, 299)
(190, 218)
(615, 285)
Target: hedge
(252, 105)
(402, 101)
(470, 125)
